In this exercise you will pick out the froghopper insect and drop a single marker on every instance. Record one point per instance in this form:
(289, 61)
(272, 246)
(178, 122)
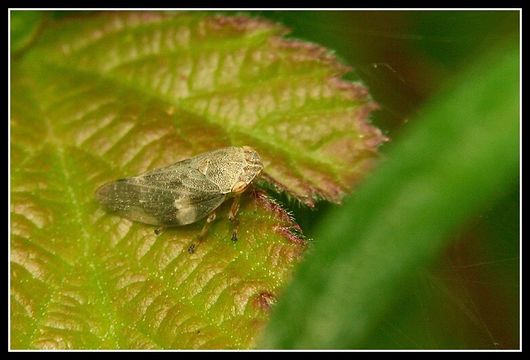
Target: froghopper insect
(186, 191)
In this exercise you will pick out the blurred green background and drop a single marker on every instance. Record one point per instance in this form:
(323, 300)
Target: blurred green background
(469, 298)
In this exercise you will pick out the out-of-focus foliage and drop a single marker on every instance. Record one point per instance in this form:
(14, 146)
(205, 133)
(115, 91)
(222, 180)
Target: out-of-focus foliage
(23, 28)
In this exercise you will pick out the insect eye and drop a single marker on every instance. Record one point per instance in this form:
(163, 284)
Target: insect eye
(239, 187)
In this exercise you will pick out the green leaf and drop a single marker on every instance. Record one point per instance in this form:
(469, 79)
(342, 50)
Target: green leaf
(458, 158)
(99, 97)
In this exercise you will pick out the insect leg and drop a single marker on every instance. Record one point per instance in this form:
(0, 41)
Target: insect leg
(206, 226)
(232, 216)
(202, 234)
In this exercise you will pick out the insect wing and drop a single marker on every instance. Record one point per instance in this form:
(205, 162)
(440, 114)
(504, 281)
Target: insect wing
(175, 195)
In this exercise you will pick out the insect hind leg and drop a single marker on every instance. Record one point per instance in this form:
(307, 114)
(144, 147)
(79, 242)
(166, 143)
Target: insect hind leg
(203, 233)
